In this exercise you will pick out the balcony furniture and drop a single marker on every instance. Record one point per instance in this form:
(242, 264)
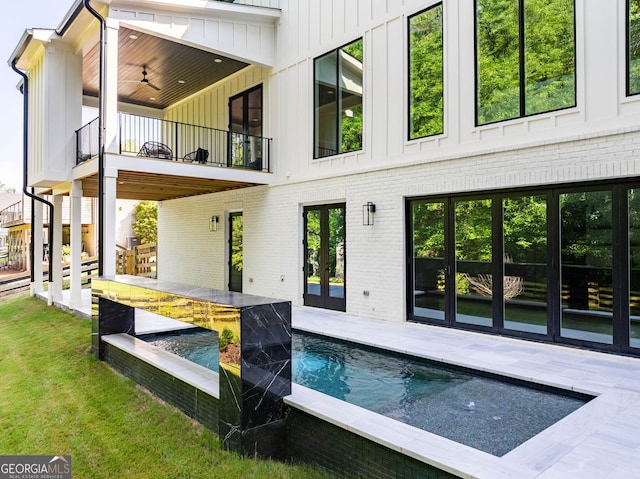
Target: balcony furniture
(199, 156)
(155, 149)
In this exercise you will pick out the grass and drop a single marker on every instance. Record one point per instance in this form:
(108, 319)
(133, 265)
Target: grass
(57, 399)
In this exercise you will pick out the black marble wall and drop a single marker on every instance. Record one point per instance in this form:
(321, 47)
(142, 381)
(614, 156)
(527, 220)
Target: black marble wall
(255, 360)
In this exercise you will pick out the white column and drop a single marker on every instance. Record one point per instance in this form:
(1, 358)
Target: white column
(109, 247)
(107, 242)
(111, 87)
(38, 249)
(55, 251)
(75, 295)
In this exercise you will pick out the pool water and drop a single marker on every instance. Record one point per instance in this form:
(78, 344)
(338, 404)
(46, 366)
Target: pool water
(488, 414)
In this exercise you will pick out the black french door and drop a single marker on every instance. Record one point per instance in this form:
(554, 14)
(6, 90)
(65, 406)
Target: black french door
(553, 264)
(245, 129)
(325, 257)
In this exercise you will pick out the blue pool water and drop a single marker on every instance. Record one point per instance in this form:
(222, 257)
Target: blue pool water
(492, 415)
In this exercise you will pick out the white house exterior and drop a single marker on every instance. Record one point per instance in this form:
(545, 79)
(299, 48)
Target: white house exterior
(572, 156)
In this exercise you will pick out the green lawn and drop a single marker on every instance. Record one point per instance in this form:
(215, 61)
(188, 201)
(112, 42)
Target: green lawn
(57, 399)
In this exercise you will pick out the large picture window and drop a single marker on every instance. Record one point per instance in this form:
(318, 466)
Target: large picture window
(525, 52)
(633, 47)
(426, 80)
(338, 101)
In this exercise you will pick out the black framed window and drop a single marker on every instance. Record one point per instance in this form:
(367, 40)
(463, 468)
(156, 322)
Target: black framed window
(338, 101)
(633, 47)
(546, 263)
(525, 58)
(426, 73)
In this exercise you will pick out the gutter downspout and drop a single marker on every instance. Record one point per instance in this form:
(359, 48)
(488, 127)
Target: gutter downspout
(101, 109)
(25, 170)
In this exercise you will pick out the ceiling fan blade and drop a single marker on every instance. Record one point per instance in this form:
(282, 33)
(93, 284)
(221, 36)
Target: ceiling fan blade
(153, 86)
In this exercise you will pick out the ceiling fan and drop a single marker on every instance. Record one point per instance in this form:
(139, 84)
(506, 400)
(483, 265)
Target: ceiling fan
(144, 80)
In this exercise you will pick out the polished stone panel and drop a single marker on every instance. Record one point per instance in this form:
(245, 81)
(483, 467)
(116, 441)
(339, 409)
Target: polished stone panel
(111, 318)
(255, 358)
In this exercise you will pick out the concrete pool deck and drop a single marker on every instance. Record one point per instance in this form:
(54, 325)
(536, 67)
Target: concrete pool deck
(600, 440)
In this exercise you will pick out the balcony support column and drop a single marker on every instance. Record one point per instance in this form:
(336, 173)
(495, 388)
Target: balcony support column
(111, 144)
(55, 252)
(75, 298)
(38, 248)
(109, 234)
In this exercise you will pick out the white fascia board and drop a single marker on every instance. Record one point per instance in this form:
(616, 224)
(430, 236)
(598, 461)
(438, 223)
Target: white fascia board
(178, 168)
(20, 47)
(42, 35)
(46, 34)
(205, 7)
(70, 15)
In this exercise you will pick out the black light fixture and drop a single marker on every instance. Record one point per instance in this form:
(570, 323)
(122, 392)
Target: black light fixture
(368, 211)
(213, 223)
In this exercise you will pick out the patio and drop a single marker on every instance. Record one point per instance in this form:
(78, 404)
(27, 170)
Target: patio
(601, 439)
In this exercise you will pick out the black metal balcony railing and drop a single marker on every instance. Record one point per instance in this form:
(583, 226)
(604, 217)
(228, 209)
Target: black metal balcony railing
(87, 142)
(170, 140)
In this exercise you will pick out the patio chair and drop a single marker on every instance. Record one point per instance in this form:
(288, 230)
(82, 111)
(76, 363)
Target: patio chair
(155, 149)
(199, 156)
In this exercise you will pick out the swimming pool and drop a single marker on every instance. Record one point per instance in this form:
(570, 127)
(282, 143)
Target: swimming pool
(486, 413)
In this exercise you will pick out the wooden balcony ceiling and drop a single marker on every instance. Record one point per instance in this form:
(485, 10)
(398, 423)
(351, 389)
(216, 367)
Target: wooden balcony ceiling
(177, 70)
(150, 186)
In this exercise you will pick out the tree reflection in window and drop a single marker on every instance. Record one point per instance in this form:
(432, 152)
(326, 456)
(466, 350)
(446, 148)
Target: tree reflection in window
(525, 57)
(633, 45)
(426, 78)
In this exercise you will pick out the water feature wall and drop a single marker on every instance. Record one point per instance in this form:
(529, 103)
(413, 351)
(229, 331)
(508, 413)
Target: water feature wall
(255, 356)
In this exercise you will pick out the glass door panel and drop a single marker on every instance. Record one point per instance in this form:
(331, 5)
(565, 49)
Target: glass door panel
(525, 263)
(428, 220)
(474, 283)
(312, 242)
(586, 242)
(236, 131)
(253, 147)
(336, 254)
(235, 252)
(245, 129)
(325, 257)
(634, 267)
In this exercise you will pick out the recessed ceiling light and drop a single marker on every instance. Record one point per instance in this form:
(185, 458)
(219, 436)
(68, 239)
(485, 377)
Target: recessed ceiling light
(218, 60)
(133, 37)
(181, 82)
(152, 98)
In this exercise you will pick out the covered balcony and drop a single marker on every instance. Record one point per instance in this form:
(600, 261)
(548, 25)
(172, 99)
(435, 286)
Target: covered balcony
(190, 113)
(148, 140)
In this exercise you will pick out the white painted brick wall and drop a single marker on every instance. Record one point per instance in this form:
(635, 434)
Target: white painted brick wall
(376, 262)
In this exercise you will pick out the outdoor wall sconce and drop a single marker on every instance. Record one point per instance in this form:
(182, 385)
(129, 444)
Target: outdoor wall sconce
(213, 223)
(367, 213)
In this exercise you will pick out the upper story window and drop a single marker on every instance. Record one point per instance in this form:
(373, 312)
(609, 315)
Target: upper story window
(633, 47)
(525, 52)
(338, 101)
(426, 79)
